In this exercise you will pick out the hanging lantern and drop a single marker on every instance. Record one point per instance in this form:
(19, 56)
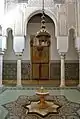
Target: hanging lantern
(43, 35)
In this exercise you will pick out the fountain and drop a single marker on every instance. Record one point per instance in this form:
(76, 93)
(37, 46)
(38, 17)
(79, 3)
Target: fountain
(42, 106)
(42, 93)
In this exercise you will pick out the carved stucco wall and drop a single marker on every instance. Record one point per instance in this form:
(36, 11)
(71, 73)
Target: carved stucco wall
(71, 15)
(62, 20)
(32, 27)
(62, 12)
(67, 13)
(66, 16)
(72, 53)
(21, 12)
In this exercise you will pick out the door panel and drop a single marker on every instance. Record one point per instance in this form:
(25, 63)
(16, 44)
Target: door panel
(39, 61)
(43, 74)
(45, 71)
(35, 71)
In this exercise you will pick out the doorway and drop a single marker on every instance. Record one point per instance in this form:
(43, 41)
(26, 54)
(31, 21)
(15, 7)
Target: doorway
(39, 59)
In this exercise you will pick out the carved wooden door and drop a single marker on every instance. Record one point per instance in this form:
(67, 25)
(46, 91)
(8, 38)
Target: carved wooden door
(40, 62)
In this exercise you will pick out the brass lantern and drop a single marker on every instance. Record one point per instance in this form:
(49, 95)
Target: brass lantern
(43, 36)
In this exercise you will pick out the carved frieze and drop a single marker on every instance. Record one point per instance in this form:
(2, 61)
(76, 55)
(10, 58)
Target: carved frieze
(66, 9)
(9, 4)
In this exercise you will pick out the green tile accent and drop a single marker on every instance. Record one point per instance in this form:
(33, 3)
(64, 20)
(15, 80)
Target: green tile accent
(25, 70)
(9, 70)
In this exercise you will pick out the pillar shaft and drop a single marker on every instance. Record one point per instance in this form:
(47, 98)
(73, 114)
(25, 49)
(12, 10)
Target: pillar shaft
(1, 68)
(19, 72)
(62, 70)
(79, 67)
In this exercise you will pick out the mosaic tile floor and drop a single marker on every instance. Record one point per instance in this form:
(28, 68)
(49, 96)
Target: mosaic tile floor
(68, 96)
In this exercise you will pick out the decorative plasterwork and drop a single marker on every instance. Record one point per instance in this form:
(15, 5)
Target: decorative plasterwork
(9, 4)
(64, 10)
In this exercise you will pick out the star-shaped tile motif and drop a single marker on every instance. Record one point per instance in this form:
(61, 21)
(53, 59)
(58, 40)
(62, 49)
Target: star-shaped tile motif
(33, 107)
(17, 110)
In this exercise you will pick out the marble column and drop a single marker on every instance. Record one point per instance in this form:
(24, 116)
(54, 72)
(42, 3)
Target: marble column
(79, 69)
(18, 72)
(1, 67)
(62, 83)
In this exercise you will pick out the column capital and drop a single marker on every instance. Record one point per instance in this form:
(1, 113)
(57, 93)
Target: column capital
(1, 52)
(19, 55)
(62, 55)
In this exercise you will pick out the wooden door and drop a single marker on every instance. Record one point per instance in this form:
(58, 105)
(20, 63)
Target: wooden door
(40, 63)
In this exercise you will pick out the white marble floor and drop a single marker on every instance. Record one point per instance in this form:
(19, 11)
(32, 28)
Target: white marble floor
(9, 94)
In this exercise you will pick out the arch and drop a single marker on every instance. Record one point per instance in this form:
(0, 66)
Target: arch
(9, 30)
(48, 13)
(73, 32)
(5, 30)
(72, 28)
(72, 53)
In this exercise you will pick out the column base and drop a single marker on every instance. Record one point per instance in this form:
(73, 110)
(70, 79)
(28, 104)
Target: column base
(62, 85)
(79, 85)
(18, 85)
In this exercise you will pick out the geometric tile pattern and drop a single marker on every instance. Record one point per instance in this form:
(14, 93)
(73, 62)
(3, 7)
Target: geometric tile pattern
(68, 110)
(25, 70)
(9, 70)
(71, 70)
(55, 70)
